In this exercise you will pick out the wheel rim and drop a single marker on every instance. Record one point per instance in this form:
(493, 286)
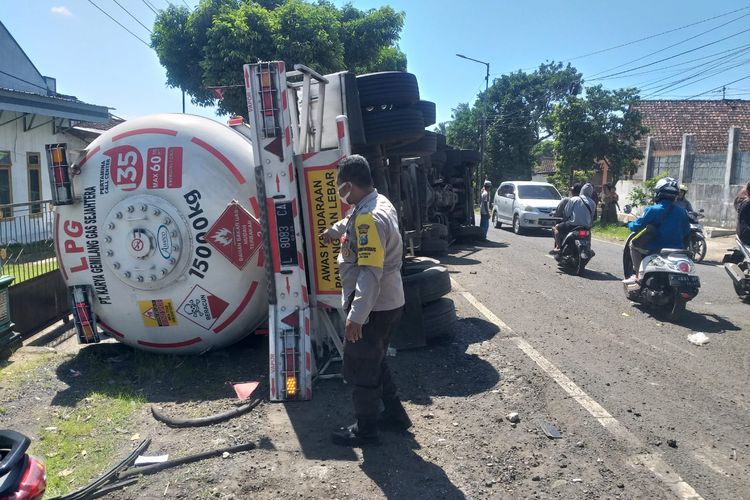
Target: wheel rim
(516, 224)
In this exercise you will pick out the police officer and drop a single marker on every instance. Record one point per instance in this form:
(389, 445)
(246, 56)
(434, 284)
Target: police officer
(373, 298)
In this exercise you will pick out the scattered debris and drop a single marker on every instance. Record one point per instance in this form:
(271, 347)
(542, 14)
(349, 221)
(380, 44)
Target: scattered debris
(551, 431)
(226, 454)
(202, 421)
(672, 443)
(576, 480)
(135, 437)
(154, 468)
(154, 459)
(513, 417)
(626, 315)
(100, 485)
(75, 373)
(580, 444)
(699, 338)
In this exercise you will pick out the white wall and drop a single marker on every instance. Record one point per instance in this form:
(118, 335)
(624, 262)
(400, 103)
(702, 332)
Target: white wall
(18, 142)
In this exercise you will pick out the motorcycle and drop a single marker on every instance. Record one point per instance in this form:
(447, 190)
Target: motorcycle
(668, 280)
(22, 477)
(575, 251)
(737, 265)
(697, 241)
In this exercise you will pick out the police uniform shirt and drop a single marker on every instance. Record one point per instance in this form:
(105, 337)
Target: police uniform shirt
(370, 258)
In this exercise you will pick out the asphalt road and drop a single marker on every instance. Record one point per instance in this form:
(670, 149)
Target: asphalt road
(642, 370)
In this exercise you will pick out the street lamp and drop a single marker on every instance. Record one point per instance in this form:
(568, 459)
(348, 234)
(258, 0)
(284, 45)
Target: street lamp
(481, 172)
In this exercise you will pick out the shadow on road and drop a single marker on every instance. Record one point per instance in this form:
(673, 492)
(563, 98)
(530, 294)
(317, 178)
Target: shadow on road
(599, 276)
(706, 323)
(460, 253)
(697, 322)
(410, 476)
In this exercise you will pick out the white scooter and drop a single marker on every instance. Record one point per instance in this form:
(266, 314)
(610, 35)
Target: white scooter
(668, 280)
(737, 264)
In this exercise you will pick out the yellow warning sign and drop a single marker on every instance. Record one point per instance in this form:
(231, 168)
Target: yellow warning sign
(159, 312)
(325, 210)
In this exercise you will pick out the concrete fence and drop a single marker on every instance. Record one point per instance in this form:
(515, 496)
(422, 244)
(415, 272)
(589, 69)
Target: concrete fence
(713, 177)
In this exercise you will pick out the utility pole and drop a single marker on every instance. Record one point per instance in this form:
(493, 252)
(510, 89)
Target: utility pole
(482, 172)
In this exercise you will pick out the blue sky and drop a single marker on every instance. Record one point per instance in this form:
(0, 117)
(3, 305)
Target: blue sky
(99, 62)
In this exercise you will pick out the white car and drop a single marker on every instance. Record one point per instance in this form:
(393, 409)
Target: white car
(525, 205)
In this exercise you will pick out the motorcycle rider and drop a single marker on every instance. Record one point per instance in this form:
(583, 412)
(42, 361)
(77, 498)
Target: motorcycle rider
(742, 205)
(683, 202)
(669, 223)
(577, 212)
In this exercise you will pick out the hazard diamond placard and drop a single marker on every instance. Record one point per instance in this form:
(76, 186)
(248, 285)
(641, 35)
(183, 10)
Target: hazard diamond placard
(202, 307)
(236, 235)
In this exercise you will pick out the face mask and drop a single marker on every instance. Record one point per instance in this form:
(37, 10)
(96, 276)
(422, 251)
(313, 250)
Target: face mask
(345, 197)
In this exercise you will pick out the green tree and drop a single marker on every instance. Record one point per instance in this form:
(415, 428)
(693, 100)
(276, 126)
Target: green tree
(602, 127)
(518, 108)
(208, 46)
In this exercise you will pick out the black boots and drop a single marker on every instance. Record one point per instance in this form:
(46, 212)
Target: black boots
(394, 416)
(363, 433)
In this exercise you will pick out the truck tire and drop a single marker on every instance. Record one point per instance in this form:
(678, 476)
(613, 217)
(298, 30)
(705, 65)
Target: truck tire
(439, 319)
(424, 146)
(438, 158)
(433, 246)
(470, 156)
(417, 264)
(441, 142)
(387, 87)
(428, 112)
(434, 230)
(453, 157)
(467, 232)
(398, 125)
(433, 282)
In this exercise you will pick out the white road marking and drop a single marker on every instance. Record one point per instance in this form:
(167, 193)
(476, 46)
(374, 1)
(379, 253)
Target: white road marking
(652, 462)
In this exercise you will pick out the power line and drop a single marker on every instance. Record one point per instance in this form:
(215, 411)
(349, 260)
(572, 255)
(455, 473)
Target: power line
(670, 46)
(677, 55)
(119, 24)
(150, 6)
(658, 70)
(131, 15)
(673, 86)
(719, 87)
(657, 34)
(22, 80)
(703, 68)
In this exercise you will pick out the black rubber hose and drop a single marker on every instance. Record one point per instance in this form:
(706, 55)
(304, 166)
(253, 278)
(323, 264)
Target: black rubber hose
(88, 490)
(151, 469)
(203, 421)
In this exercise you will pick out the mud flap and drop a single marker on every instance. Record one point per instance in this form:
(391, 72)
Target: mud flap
(410, 333)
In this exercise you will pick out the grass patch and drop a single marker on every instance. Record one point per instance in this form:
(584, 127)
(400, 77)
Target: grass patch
(23, 368)
(80, 444)
(614, 232)
(26, 271)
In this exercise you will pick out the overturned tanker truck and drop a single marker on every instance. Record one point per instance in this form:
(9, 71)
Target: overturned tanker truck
(178, 234)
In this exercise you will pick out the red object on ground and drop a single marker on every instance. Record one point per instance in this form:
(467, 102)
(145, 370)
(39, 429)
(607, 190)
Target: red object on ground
(245, 389)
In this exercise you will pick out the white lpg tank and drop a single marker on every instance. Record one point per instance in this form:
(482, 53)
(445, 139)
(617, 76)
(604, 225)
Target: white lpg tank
(166, 233)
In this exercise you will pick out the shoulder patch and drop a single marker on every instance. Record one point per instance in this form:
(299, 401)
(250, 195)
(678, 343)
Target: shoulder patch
(370, 250)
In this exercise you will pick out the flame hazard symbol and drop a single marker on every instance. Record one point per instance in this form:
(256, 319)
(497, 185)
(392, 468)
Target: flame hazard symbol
(223, 237)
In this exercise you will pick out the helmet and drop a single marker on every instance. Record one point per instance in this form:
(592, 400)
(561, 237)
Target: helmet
(666, 189)
(487, 184)
(683, 187)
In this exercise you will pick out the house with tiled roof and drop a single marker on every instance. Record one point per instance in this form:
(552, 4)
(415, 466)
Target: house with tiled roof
(33, 114)
(704, 144)
(709, 121)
